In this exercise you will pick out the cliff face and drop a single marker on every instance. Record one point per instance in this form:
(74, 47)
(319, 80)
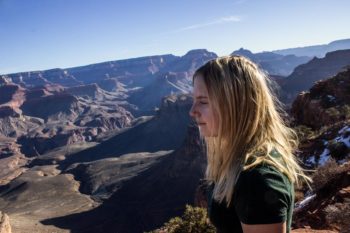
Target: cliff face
(4, 80)
(124, 70)
(322, 119)
(12, 161)
(147, 200)
(90, 90)
(141, 170)
(46, 117)
(327, 102)
(165, 131)
(149, 97)
(5, 226)
(52, 106)
(112, 84)
(174, 78)
(304, 76)
(11, 95)
(40, 78)
(142, 82)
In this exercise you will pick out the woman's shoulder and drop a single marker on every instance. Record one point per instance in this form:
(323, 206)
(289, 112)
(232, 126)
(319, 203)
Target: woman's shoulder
(262, 195)
(260, 169)
(264, 177)
(264, 172)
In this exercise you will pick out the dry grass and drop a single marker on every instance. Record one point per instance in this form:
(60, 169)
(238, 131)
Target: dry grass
(325, 174)
(339, 214)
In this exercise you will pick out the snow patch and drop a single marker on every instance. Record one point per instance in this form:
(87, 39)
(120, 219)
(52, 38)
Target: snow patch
(346, 141)
(304, 202)
(341, 138)
(324, 157)
(344, 129)
(331, 98)
(311, 160)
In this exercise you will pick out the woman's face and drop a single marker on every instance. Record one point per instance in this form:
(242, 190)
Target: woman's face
(202, 109)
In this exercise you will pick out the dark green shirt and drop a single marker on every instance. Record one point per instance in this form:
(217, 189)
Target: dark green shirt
(262, 195)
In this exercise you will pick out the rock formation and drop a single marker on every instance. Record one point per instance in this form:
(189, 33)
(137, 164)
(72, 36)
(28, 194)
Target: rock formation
(328, 101)
(5, 226)
(305, 76)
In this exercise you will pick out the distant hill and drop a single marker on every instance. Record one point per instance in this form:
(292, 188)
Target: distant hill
(124, 70)
(273, 63)
(141, 81)
(176, 77)
(304, 76)
(316, 50)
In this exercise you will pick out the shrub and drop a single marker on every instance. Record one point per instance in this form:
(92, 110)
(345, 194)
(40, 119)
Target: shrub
(303, 132)
(339, 214)
(333, 112)
(339, 112)
(345, 110)
(325, 174)
(194, 220)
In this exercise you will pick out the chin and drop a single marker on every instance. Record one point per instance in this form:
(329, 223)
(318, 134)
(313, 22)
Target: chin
(203, 134)
(206, 134)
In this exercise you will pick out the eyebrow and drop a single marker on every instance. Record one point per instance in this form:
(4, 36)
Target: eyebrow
(201, 97)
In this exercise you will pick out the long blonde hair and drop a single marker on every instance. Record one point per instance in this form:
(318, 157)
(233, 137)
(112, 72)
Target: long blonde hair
(250, 125)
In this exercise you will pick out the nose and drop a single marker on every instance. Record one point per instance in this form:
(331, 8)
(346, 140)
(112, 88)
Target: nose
(193, 111)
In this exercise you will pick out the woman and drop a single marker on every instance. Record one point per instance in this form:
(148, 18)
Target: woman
(251, 168)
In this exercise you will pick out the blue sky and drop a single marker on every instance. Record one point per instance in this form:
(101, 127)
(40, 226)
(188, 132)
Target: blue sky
(43, 34)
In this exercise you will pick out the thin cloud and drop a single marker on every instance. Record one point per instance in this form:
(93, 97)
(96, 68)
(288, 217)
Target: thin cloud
(238, 2)
(215, 22)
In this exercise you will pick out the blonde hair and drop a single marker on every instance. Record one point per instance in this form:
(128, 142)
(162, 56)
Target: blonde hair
(250, 125)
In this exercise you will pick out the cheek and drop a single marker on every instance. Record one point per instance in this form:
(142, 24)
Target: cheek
(214, 120)
(206, 112)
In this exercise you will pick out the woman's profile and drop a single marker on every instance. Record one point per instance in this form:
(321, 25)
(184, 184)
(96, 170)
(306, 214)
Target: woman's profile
(251, 167)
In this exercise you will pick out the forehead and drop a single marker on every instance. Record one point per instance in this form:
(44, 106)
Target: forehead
(199, 87)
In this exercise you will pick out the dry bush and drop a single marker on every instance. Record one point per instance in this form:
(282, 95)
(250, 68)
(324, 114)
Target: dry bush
(304, 132)
(324, 174)
(339, 214)
(345, 109)
(194, 220)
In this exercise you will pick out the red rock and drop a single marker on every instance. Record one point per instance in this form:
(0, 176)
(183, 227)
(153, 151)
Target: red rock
(305, 230)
